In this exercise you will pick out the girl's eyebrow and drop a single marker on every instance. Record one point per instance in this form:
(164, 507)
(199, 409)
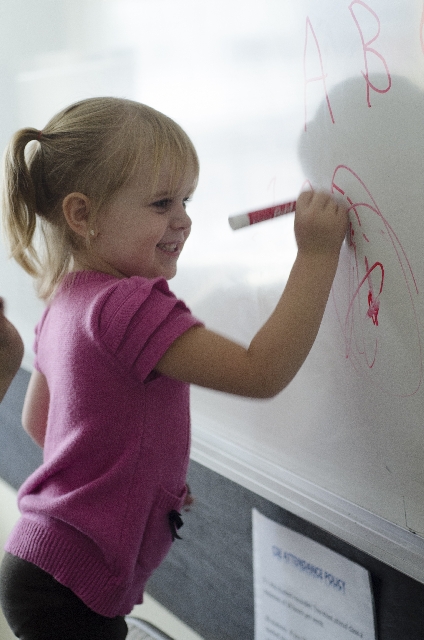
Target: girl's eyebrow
(161, 195)
(169, 194)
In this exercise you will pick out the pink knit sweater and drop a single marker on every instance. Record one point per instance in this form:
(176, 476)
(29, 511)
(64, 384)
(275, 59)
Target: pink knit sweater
(95, 514)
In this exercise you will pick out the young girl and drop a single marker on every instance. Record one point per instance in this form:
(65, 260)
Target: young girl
(96, 212)
(11, 352)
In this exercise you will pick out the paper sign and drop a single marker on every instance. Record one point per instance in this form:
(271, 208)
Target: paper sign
(304, 591)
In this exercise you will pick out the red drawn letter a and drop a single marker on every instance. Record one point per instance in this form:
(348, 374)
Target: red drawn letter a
(314, 78)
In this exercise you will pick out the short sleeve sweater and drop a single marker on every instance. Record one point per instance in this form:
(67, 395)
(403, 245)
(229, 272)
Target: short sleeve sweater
(95, 514)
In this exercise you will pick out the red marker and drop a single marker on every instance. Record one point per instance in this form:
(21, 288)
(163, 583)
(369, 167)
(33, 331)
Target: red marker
(246, 219)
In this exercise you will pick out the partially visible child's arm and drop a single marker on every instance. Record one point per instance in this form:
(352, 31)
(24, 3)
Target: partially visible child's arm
(280, 347)
(11, 352)
(36, 407)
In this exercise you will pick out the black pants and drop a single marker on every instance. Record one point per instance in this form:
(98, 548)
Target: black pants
(37, 607)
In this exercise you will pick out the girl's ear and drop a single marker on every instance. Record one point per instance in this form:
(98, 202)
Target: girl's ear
(76, 209)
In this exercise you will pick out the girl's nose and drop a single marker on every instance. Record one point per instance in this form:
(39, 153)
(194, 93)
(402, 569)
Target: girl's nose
(181, 219)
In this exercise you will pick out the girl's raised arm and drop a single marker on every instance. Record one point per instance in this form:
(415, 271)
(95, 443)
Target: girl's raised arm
(280, 347)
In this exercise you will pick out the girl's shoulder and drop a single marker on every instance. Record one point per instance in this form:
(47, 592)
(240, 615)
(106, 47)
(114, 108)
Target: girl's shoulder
(100, 288)
(100, 300)
(124, 317)
(138, 316)
(138, 287)
(127, 295)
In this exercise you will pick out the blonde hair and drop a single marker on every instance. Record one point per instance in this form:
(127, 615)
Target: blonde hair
(92, 147)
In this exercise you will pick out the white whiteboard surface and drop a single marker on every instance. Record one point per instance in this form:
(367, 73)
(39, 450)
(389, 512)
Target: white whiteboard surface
(343, 446)
(352, 422)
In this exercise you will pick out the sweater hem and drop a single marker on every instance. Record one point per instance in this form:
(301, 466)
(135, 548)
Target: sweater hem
(74, 561)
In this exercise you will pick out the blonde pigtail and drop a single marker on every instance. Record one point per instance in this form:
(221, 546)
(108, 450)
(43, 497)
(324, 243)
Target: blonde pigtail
(20, 203)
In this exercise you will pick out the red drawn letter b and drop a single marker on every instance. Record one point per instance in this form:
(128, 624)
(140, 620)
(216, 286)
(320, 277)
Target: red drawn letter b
(368, 50)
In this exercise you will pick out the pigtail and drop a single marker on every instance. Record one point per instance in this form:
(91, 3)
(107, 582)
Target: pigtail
(20, 202)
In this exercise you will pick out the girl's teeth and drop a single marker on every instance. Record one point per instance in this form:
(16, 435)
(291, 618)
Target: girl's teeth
(168, 247)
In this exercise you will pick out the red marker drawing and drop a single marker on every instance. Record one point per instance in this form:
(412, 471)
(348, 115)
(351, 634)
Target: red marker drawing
(246, 219)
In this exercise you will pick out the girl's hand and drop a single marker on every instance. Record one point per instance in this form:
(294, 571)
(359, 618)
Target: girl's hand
(11, 351)
(320, 223)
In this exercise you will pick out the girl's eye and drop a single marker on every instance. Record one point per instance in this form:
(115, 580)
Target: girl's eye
(167, 202)
(162, 204)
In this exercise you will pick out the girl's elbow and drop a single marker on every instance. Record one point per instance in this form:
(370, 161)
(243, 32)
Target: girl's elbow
(269, 393)
(267, 389)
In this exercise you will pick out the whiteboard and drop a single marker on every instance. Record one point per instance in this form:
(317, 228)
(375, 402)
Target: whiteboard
(274, 93)
(352, 421)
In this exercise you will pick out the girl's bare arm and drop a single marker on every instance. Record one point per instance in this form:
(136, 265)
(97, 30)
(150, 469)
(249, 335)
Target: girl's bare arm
(36, 407)
(280, 347)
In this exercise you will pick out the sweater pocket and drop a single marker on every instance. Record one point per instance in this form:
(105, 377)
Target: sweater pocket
(160, 529)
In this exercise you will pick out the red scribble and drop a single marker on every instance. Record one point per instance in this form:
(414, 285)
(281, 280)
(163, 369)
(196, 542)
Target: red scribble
(367, 301)
(373, 300)
(320, 78)
(373, 308)
(367, 50)
(373, 303)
